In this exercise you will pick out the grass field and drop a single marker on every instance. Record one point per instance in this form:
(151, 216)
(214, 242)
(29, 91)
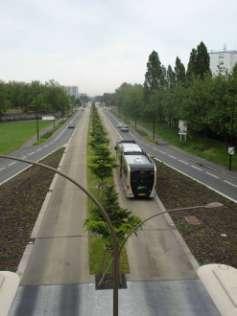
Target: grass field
(206, 148)
(14, 134)
(99, 257)
(48, 134)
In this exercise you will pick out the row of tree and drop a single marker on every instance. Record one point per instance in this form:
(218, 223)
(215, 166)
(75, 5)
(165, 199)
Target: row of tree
(208, 103)
(35, 97)
(101, 165)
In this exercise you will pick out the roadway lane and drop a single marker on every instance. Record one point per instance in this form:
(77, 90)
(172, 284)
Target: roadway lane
(9, 168)
(213, 176)
(57, 282)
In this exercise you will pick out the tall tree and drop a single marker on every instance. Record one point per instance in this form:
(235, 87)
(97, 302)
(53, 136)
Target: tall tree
(192, 64)
(179, 71)
(202, 61)
(154, 76)
(170, 77)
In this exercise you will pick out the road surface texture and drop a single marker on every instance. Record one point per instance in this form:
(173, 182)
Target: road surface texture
(57, 280)
(214, 176)
(9, 168)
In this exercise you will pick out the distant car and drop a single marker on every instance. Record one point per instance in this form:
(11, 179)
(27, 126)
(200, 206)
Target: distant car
(71, 126)
(124, 128)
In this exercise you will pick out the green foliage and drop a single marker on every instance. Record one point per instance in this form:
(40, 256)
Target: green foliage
(35, 96)
(154, 77)
(101, 165)
(179, 71)
(199, 63)
(207, 103)
(203, 61)
(170, 77)
(123, 220)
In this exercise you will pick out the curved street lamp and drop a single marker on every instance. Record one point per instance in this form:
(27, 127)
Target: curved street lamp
(117, 247)
(116, 252)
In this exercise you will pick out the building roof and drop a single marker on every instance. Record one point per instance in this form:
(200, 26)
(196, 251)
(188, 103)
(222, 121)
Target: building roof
(223, 52)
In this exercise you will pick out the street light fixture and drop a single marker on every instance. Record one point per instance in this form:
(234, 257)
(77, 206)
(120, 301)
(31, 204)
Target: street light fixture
(116, 252)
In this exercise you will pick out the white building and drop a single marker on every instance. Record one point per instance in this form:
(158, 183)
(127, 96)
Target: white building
(222, 62)
(72, 91)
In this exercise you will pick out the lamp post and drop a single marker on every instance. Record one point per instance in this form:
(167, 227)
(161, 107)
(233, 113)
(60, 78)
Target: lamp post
(116, 249)
(208, 206)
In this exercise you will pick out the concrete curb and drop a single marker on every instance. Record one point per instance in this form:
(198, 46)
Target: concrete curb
(29, 247)
(178, 236)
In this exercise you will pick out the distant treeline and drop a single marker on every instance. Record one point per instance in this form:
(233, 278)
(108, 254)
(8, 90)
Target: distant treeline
(208, 103)
(35, 97)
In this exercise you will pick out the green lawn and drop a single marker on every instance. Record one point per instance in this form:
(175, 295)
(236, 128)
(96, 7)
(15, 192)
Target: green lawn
(15, 134)
(99, 257)
(207, 148)
(48, 134)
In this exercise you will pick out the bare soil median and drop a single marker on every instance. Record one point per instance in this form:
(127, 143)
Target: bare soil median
(20, 202)
(212, 235)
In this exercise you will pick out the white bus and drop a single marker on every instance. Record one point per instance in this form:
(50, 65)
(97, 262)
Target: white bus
(136, 169)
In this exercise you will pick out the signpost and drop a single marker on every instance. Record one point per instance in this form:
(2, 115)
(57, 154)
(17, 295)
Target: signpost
(183, 129)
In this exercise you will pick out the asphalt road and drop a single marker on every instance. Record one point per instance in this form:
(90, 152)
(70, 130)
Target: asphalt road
(57, 281)
(60, 251)
(10, 168)
(215, 177)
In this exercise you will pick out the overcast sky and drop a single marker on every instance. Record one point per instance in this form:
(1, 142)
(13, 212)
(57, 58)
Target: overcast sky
(98, 44)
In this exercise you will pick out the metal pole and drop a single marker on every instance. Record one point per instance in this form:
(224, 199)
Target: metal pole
(230, 161)
(37, 127)
(116, 274)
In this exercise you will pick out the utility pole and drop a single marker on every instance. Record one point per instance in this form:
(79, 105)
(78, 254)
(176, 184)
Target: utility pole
(37, 127)
(231, 148)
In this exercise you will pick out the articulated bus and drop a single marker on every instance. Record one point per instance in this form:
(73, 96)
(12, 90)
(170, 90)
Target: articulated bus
(136, 169)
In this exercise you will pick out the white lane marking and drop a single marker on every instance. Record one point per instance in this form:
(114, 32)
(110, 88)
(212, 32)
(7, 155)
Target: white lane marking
(11, 164)
(198, 181)
(230, 183)
(30, 154)
(183, 161)
(1, 169)
(212, 175)
(197, 168)
(59, 135)
(171, 156)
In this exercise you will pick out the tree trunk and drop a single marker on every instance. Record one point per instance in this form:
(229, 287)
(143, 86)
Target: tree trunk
(153, 128)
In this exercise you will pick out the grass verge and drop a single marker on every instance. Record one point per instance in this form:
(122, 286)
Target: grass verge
(48, 134)
(15, 134)
(206, 148)
(99, 257)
